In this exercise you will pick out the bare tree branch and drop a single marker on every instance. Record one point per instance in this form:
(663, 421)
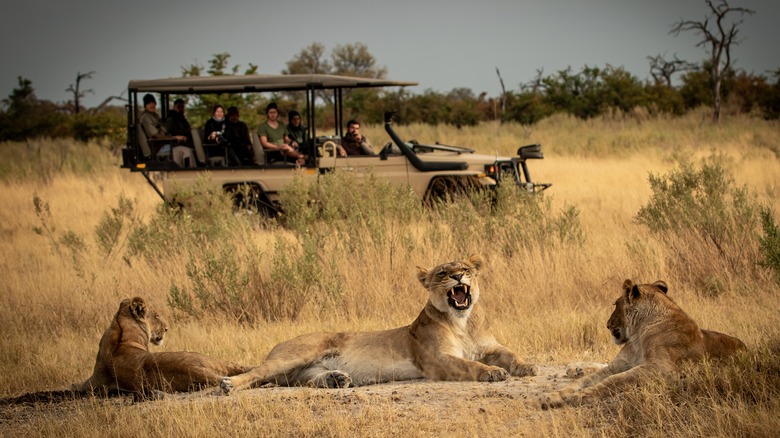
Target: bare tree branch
(720, 40)
(503, 91)
(662, 70)
(77, 93)
(107, 100)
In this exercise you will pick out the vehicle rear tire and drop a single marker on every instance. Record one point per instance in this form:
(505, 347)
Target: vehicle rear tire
(450, 189)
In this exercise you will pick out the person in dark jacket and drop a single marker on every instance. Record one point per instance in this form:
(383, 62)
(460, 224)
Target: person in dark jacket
(237, 136)
(297, 133)
(177, 124)
(214, 131)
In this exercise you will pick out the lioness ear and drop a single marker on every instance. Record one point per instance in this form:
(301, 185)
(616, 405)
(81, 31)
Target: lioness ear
(422, 275)
(627, 285)
(476, 261)
(661, 286)
(138, 308)
(634, 294)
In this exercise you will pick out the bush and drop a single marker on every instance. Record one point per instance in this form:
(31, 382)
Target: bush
(743, 391)
(708, 223)
(770, 242)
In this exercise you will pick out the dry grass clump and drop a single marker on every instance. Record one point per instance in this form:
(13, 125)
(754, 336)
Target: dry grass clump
(77, 240)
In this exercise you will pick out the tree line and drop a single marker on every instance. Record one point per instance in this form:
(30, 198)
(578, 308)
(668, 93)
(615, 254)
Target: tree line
(592, 91)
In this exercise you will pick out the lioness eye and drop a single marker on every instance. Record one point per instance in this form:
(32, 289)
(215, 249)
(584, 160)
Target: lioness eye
(441, 274)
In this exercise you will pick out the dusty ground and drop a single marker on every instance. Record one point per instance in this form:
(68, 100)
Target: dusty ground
(406, 397)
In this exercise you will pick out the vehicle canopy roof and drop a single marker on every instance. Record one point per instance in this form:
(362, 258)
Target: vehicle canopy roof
(256, 83)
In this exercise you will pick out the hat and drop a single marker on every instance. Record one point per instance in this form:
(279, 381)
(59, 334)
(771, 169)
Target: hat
(149, 98)
(271, 106)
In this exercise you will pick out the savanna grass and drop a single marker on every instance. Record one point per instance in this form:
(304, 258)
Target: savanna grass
(236, 284)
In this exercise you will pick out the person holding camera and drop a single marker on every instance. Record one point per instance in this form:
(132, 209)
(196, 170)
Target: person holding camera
(355, 143)
(215, 126)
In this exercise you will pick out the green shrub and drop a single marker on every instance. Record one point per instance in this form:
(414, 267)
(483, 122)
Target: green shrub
(708, 223)
(770, 242)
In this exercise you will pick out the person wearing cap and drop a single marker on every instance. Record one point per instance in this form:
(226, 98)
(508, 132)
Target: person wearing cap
(176, 123)
(274, 138)
(237, 136)
(154, 130)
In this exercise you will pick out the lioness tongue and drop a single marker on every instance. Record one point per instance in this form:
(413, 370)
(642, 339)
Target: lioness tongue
(459, 296)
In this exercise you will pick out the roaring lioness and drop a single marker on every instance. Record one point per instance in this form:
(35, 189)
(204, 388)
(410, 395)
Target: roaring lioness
(656, 336)
(124, 362)
(449, 340)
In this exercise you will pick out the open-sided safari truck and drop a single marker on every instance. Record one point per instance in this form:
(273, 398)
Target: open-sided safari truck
(431, 171)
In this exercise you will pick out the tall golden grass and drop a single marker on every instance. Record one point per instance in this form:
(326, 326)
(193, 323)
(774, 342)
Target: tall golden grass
(549, 298)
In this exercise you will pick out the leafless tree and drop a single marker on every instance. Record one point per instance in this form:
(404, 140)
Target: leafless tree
(503, 92)
(77, 92)
(717, 38)
(107, 100)
(662, 69)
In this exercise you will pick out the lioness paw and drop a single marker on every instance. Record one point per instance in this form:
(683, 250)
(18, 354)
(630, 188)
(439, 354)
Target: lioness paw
(227, 386)
(550, 401)
(524, 369)
(579, 369)
(494, 374)
(331, 379)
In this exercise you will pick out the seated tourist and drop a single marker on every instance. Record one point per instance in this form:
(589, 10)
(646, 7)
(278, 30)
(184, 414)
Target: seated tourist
(237, 136)
(152, 127)
(274, 138)
(354, 143)
(177, 124)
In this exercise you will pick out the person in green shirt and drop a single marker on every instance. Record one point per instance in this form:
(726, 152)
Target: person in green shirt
(274, 138)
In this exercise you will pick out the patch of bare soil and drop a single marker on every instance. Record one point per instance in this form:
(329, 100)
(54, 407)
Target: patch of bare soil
(406, 397)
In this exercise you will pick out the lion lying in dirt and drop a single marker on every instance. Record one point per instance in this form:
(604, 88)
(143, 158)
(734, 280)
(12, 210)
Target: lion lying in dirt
(124, 362)
(449, 340)
(656, 336)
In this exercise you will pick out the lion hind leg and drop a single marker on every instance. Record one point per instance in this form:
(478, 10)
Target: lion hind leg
(278, 371)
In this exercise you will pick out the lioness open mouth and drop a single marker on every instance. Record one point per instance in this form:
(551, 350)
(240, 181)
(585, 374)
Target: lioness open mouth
(459, 297)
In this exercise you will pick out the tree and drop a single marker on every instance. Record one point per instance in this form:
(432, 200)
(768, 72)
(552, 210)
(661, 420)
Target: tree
(662, 70)
(355, 60)
(77, 92)
(310, 60)
(26, 116)
(346, 59)
(200, 106)
(718, 41)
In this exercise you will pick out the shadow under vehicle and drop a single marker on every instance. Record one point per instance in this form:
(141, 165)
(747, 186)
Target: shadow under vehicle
(432, 171)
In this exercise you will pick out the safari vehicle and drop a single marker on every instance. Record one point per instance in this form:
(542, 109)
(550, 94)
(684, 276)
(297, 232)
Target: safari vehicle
(432, 171)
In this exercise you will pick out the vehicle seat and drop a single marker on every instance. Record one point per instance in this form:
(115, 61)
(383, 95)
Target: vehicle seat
(258, 149)
(197, 141)
(146, 148)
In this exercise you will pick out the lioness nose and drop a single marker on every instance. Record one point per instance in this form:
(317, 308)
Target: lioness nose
(456, 277)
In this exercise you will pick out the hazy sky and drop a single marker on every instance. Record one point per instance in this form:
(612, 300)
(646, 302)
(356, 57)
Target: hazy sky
(440, 44)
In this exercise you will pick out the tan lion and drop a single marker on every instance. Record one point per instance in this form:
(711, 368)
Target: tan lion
(124, 362)
(656, 336)
(449, 340)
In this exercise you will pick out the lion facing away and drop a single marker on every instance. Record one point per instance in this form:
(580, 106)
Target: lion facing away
(449, 340)
(124, 362)
(656, 335)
